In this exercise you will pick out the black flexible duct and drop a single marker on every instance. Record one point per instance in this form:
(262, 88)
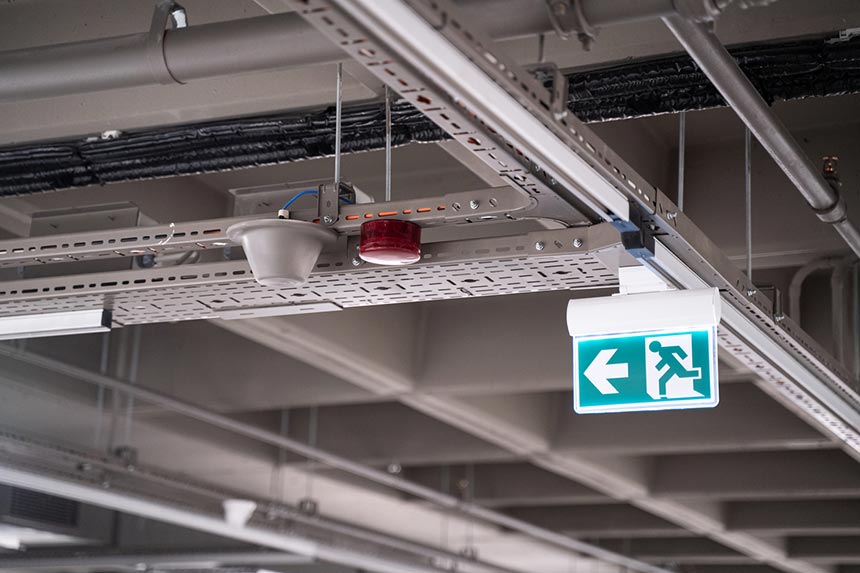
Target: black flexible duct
(780, 71)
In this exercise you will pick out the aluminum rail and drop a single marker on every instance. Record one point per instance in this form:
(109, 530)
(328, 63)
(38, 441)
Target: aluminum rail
(333, 460)
(259, 44)
(155, 561)
(716, 62)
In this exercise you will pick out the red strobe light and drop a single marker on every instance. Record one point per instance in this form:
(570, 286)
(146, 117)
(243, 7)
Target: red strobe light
(390, 242)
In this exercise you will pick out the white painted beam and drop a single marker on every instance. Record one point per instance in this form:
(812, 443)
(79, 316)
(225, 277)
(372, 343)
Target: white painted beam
(798, 517)
(686, 550)
(775, 475)
(841, 550)
(746, 419)
(599, 521)
(508, 484)
(384, 433)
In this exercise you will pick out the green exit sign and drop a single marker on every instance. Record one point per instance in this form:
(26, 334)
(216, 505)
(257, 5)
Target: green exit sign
(622, 365)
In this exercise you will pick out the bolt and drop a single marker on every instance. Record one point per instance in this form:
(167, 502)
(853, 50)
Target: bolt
(328, 219)
(308, 506)
(577, 243)
(751, 291)
(779, 317)
(474, 204)
(540, 245)
(394, 468)
(356, 262)
(671, 215)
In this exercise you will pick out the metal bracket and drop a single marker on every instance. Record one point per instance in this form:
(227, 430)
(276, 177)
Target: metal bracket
(698, 11)
(559, 90)
(567, 19)
(637, 234)
(166, 12)
(329, 202)
(837, 212)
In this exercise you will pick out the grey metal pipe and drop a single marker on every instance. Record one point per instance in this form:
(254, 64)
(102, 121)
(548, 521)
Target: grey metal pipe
(260, 44)
(715, 61)
(795, 287)
(239, 46)
(837, 310)
(256, 44)
(333, 460)
(602, 13)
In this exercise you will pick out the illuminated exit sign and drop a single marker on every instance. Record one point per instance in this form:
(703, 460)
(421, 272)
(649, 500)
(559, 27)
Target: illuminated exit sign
(639, 352)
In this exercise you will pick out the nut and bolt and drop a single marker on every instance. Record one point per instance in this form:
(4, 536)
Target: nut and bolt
(540, 245)
(779, 317)
(751, 292)
(328, 219)
(577, 243)
(356, 262)
(474, 203)
(671, 215)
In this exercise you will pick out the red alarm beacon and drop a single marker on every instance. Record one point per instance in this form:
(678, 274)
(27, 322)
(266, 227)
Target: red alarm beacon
(390, 242)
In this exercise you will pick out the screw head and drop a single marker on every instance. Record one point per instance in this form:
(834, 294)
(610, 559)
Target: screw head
(577, 243)
(394, 468)
(328, 219)
(540, 245)
(474, 203)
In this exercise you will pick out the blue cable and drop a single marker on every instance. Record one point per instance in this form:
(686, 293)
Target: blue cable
(302, 194)
(309, 192)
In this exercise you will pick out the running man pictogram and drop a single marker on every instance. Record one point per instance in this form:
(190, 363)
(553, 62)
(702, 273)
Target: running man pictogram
(671, 356)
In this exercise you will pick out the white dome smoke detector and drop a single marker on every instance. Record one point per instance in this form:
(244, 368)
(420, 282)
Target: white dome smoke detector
(281, 252)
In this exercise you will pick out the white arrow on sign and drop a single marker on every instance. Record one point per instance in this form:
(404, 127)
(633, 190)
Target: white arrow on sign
(600, 371)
